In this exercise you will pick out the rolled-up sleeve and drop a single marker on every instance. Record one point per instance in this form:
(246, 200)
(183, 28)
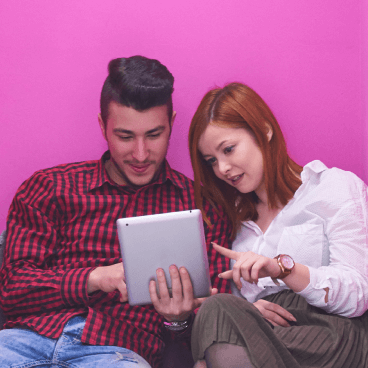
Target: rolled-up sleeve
(346, 275)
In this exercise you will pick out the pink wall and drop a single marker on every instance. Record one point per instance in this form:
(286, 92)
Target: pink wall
(364, 79)
(303, 57)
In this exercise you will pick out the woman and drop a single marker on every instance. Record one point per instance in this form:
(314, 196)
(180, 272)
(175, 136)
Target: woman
(300, 256)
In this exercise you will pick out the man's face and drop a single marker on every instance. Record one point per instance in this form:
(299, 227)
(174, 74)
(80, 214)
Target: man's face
(137, 141)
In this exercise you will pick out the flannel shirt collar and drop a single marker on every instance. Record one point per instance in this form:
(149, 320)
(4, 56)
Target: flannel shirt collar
(100, 176)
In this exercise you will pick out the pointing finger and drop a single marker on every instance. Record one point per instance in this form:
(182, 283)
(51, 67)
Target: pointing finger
(226, 252)
(226, 275)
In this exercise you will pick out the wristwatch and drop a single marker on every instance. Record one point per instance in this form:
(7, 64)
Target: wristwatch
(286, 264)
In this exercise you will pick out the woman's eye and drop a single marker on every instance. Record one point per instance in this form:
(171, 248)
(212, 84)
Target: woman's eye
(211, 161)
(228, 149)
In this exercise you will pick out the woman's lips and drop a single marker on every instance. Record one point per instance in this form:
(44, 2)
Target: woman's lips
(236, 179)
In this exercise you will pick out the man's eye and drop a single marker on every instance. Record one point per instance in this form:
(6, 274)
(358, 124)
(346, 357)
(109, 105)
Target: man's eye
(124, 138)
(228, 149)
(156, 135)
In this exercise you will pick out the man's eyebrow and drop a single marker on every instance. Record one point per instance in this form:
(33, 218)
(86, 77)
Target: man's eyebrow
(125, 131)
(159, 128)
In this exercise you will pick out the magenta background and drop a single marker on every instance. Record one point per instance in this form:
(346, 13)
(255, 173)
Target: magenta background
(306, 58)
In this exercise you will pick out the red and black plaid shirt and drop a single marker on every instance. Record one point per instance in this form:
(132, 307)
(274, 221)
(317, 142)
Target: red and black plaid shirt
(61, 225)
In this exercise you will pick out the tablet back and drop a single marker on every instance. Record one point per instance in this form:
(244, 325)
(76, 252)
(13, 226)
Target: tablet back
(159, 241)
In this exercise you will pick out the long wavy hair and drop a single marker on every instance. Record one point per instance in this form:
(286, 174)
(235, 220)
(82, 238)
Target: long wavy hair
(238, 106)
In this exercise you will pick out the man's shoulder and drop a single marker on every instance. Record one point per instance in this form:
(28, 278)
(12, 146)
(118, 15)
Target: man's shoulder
(181, 179)
(69, 168)
(56, 175)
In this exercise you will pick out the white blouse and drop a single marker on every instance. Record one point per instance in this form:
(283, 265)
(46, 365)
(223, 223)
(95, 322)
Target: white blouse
(324, 226)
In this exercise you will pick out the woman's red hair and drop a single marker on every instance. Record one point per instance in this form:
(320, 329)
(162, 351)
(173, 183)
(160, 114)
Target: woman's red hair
(238, 106)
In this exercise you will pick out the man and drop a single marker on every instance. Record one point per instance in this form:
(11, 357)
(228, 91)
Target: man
(62, 281)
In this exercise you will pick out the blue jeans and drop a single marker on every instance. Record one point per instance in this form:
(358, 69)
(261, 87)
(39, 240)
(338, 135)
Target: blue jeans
(22, 348)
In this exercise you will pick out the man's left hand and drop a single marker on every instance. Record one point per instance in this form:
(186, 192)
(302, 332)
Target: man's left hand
(180, 306)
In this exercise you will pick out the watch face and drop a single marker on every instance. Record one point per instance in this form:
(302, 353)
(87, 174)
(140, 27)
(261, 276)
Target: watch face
(287, 262)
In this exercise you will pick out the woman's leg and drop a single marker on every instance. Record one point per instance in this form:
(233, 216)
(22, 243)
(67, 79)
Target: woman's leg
(223, 355)
(232, 320)
(317, 339)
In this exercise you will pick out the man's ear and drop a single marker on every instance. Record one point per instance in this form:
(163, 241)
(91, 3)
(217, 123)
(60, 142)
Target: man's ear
(102, 125)
(173, 118)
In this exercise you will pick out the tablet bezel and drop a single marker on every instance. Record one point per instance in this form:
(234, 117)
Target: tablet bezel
(158, 241)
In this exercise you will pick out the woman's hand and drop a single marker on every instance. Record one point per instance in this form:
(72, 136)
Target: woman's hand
(250, 266)
(274, 313)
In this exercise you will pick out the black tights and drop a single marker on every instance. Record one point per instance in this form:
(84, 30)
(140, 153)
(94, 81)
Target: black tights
(222, 354)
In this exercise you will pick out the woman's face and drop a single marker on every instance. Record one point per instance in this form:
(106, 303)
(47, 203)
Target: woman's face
(234, 157)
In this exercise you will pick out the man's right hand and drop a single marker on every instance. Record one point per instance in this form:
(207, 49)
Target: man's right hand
(108, 279)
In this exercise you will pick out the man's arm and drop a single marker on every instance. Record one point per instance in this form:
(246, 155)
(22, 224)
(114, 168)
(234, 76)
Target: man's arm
(29, 284)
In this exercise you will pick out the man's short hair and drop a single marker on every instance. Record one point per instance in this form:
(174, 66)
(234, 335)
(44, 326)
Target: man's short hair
(137, 82)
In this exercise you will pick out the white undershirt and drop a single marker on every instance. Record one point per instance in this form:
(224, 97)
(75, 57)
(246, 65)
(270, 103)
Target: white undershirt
(324, 226)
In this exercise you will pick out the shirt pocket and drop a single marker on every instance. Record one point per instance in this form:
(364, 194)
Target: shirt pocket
(304, 243)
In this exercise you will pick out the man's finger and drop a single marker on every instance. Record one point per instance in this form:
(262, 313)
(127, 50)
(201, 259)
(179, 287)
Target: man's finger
(153, 293)
(186, 284)
(198, 302)
(162, 284)
(226, 252)
(123, 292)
(176, 284)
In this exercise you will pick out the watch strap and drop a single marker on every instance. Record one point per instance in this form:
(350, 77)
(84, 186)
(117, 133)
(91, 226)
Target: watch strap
(283, 270)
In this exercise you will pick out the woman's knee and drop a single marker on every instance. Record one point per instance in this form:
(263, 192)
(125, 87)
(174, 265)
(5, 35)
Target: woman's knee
(220, 302)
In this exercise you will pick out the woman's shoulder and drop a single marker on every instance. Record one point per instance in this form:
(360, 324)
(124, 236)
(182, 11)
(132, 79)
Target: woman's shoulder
(333, 182)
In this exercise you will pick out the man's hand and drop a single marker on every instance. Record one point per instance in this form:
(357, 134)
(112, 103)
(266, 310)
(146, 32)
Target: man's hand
(250, 266)
(108, 279)
(275, 314)
(182, 303)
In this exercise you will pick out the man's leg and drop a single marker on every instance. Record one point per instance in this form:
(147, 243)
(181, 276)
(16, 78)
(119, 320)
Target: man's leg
(22, 347)
(70, 350)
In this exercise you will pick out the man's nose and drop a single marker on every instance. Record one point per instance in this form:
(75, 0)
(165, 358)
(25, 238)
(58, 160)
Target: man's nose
(140, 151)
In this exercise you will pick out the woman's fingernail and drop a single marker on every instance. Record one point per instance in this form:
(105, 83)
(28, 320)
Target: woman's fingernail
(219, 275)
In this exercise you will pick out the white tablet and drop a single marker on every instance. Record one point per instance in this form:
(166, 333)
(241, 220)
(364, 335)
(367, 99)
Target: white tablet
(159, 241)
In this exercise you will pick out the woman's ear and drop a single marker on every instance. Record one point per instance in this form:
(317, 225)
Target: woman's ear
(270, 131)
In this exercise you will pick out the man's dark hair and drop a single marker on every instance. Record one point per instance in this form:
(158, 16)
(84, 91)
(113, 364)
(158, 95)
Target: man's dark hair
(137, 82)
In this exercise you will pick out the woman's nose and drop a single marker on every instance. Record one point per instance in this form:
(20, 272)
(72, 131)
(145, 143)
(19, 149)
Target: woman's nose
(224, 167)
